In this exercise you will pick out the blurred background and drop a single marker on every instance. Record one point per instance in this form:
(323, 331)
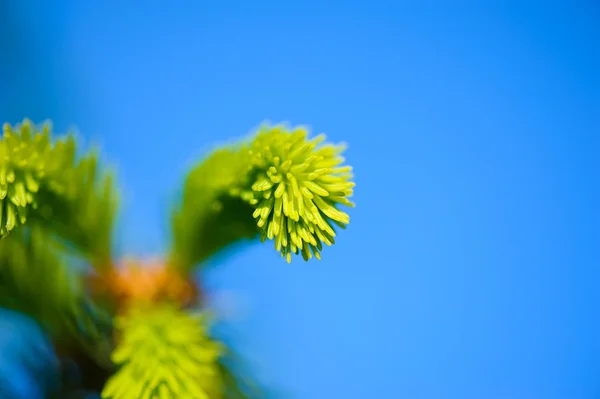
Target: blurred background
(468, 269)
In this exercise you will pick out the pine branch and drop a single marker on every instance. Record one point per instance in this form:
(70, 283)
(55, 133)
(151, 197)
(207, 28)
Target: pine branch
(51, 201)
(291, 186)
(43, 181)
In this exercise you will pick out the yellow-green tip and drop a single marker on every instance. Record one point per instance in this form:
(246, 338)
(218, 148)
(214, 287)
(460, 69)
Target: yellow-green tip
(21, 152)
(297, 186)
(28, 158)
(164, 352)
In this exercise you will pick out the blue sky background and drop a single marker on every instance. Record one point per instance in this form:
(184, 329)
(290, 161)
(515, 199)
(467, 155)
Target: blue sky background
(470, 269)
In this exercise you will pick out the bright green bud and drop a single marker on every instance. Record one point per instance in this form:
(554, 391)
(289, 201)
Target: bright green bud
(20, 156)
(297, 185)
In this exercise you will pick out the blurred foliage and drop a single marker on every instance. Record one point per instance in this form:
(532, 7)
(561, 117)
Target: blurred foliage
(29, 367)
(42, 179)
(37, 279)
(164, 352)
(54, 207)
(211, 215)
